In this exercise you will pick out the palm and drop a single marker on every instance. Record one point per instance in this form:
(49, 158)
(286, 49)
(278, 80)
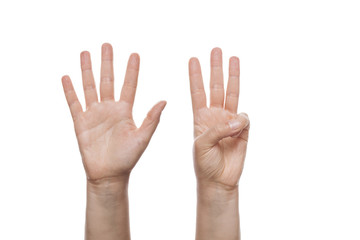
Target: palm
(107, 140)
(223, 161)
(110, 144)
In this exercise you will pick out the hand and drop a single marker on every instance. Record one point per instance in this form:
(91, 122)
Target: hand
(221, 134)
(110, 144)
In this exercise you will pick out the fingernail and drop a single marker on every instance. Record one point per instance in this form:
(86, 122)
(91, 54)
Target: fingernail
(234, 124)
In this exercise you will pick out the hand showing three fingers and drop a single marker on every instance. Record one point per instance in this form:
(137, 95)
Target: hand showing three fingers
(220, 133)
(109, 141)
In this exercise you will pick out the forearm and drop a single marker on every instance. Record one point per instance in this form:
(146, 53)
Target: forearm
(107, 210)
(217, 213)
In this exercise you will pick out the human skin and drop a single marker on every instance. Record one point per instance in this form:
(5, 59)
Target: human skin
(219, 150)
(109, 142)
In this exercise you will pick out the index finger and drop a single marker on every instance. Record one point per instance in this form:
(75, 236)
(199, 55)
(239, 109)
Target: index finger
(131, 78)
(198, 95)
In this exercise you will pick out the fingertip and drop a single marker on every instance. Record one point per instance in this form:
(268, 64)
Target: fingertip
(161, 105)
(216, 51)
(65, 78)
(106, 51)
(163, 101)
(66, 82)
(157, 109)
(245, 116)
(84, 54)
(234, 60)
(85, 60)
(194, 65)
(135, 56)
(134, 60)
(106, 45)
(193, 60)
(234, 66)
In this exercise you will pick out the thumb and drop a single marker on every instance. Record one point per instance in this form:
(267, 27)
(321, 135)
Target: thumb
(152, 119)
(213, 135)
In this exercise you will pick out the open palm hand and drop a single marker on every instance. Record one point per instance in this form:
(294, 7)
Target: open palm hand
(109, 141)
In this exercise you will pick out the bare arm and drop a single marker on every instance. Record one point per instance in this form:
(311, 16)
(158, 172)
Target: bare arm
(107, 209)
(109, 142)
(219, 149)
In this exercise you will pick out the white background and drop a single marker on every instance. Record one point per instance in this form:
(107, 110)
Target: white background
(300, 76)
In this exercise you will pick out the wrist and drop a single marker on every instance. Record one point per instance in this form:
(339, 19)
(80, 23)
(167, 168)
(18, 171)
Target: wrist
(107, 209)
(108, 187)
(217, 211)
(216, 192)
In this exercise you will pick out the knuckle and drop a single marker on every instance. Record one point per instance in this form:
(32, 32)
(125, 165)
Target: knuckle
(232, 95)
(86, 67)
(129, 84)
(88, 87)
(217, 86)
(152, 119)
(107, 79)
(150, 116)
(197, 91)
